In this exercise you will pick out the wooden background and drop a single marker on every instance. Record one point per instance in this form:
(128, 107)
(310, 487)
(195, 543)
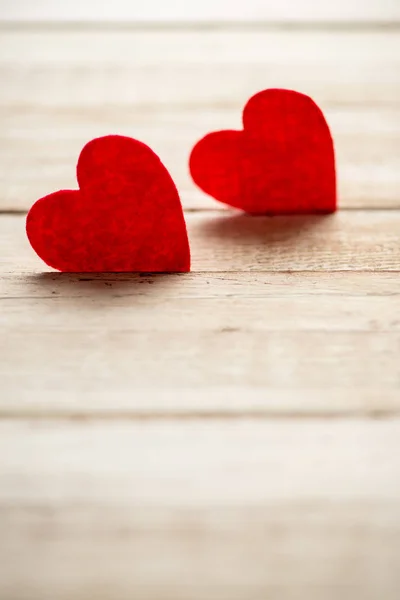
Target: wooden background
(209, 11)
(233, 433)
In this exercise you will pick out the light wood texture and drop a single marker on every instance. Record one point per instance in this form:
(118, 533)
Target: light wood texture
(223, 330)
(170, 89)
(75, 463)
(229, 242)
(232, 433)
(207, 10)
(229, 332)
(294, 551)
(155, 510)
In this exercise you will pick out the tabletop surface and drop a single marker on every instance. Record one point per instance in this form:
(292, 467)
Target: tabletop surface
(228, 434)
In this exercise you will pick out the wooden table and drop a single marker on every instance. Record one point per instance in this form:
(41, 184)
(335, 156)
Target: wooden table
(233, 433)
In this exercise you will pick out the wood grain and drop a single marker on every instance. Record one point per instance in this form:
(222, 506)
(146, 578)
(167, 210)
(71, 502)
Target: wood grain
(230, 242)
(294, 551)
(231, 433)
(78, 359)
(287, 333)
(279, 331)
(74, 463)
(169, 89)
(208, 10)
(21, 284)
(44, 145)
(116, 506)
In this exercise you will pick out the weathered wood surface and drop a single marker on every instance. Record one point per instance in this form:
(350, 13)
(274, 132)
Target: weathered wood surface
(230, 242)
(192, 510)
(170, 88)
(209, 11)
(321, 549)
(232, 433)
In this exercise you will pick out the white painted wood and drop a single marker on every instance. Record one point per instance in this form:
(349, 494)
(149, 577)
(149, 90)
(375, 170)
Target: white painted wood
(120, 401)
(107, 338)
(171, 89)
(207, 10)
(304, 551)
(145, 464)
(43, 144)
(219, 510)
(228, 242)
(133, 335)
(268, 313)
(79, 360)
(21, 283)
(232, 433)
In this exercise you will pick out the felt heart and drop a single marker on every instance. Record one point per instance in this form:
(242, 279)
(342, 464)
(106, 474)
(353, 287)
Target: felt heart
(126, 216)
(281, 162)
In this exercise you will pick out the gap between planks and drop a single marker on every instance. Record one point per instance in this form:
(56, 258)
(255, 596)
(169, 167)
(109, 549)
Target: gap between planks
(90, 415)
(200, 26)
(204, 209)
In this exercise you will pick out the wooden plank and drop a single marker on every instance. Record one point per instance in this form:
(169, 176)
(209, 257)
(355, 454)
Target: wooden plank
(29, 147)
(125, 401)
(343, 241)
(230, 242)
(74, 463)
(157, 432)
(195, 68)
(294, 551)
(207, 10)
(67, 341)
(267, 313)
(360, 53)
(85, 84)
(71, 356)
(308, 335)
(240, 285)
(85, 509)
(122, 463)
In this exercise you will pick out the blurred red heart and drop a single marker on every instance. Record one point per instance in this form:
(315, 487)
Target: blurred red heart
(126, 216)
(281, 162)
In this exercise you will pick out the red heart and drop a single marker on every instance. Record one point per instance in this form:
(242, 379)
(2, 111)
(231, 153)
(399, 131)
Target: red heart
(282, 162)
(126, 216)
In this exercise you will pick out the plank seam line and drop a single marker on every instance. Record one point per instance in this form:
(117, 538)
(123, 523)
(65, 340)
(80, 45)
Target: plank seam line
(201, 26)
(218, 415)
(22, 211)
(227, 296)
(120, 277)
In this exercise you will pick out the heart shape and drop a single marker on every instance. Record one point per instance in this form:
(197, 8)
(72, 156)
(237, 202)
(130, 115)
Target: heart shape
(126, 216)
(282, 162)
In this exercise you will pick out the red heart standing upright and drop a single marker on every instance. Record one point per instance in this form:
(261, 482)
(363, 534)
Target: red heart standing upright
(126, 216)
(281, 162)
